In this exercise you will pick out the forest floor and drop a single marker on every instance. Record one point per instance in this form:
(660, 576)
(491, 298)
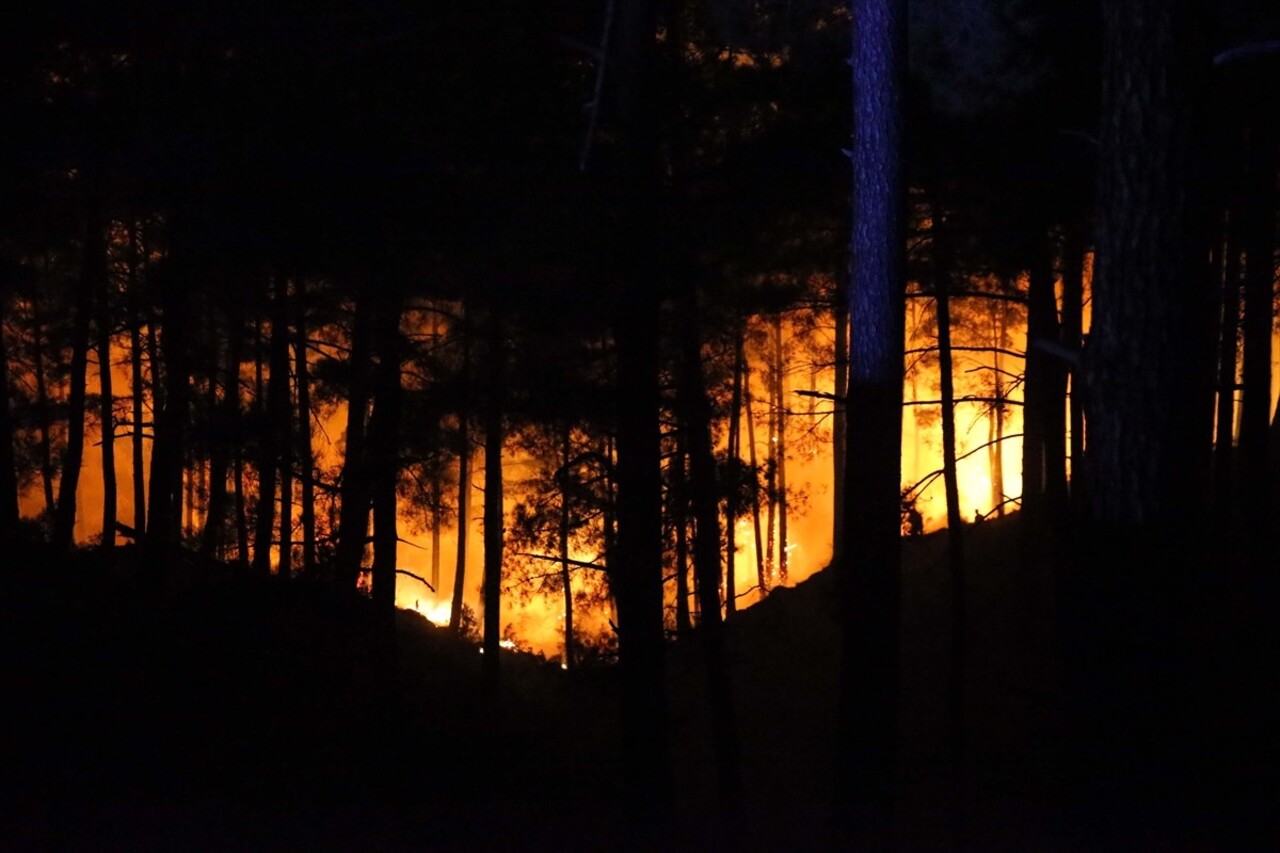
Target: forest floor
(200, 708)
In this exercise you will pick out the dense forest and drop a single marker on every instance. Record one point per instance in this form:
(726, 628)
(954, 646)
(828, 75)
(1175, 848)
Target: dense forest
(637, 423)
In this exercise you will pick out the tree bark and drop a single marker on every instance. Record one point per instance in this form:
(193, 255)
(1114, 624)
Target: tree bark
(839, 419)
(97, 256)
(305, 454)
(735, 484)
(1072, 333)
(780, 448)
(282, 423)
(44, 420)
(133, 304)
(1258, 228)
(73, 455)
(9, 515)
(870, 580)
(464, 482)
(762, 575)
(566, 576)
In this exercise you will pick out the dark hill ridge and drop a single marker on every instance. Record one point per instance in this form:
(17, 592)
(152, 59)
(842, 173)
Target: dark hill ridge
(195, 707)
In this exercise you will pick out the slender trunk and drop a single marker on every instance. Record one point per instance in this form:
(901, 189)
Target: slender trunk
(306, 456)
(167, 454)
(282, 424)
(133, 302)
(493, 520)
(1042, 474)
(9, 514)
(1072, 335)
(839, 428)
(871, 582)
(780, 406)
(464, 486)
(566, 577)
(1228, 364)
(762, 575)
(213, 535)
(771, 478)
(270, 450)
(734, 489)
(384, 455)
(44, 419)
(353, 520)
(680, 519)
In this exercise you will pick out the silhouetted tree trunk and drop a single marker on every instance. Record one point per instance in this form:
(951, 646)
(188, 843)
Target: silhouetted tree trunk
(9, 516)
(1228, 362)
(96, 254)
(306, 457)
(943, 270)
(1043, 448)
(735, 486)
(696, 425)
(133, 305)
(678, 510)
(353, 520)
(1149, 371)
(226, 437)
(762, 574)
(839, 419)
(269, 459)
(464, 479)
(167, 449)
(1258, 228)
(566, 577)
(73, 454)
(870, 580)
(384, 454)
(1073, 250)
(43, 417)
(780, 446)
(635, 567)
(493, 510)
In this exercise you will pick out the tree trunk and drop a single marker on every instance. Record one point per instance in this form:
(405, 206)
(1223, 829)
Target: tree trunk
(1257, 231)
(213, 537)
(762, 574)
(566, 577)
(282, 423)
(1072, 333)
(871, 581)
(9, 515)
(305, 454)
(734, 489)
(493, 509)
(353, 520)
(133, 303)
(679, 512)
(943, 270)
(1043, 452)
(106, 408)
(73, 455)
(780, 448)
(839, 419)
(1228, 364)
(464, 483)
(269, 457)
(44, 419)
(384, 455)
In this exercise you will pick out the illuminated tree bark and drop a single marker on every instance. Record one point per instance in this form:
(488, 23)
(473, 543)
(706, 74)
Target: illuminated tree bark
(870, 582)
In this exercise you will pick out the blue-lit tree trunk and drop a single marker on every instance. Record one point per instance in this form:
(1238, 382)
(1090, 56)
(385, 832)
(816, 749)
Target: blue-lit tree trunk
(870, 569)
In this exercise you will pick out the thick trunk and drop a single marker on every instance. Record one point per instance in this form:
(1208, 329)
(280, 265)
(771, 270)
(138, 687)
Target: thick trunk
(73, 455)
(870, 580)
(167, 454)
(493, 520)
(384, 455)
(353, 519)
(1043, 449)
